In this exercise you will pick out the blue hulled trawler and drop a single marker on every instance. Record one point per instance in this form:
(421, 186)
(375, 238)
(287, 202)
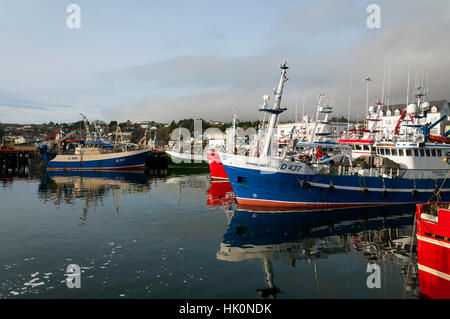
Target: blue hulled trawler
(405, 167)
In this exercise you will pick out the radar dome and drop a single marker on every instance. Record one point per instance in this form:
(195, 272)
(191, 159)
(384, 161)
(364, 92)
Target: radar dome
(424, 106)
(411, 109)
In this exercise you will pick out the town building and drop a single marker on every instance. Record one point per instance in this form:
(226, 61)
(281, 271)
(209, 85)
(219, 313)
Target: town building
(390, 115)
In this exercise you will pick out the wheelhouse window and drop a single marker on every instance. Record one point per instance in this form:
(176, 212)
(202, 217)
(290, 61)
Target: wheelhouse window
(401, 153)
(422, 153)
(433, 153)
(408, 153)
(416, 153)
(394, 153)
(439, 153)
(427, 152)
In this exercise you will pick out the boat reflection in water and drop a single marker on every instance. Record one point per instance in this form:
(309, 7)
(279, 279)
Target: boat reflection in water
(65, 187)
(220, 193)
(378, 234)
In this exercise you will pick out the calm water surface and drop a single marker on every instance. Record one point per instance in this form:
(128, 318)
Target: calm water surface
(181, 236)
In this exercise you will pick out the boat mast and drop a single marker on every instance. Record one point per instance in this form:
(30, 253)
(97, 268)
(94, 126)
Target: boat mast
(275, 111)
(86, 126)
(232, 145)
(316, 122)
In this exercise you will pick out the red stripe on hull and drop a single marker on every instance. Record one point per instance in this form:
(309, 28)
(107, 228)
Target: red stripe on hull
(277, 204)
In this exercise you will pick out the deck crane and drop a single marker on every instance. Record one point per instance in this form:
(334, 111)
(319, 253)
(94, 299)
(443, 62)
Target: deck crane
(86, 125)
(435, 138)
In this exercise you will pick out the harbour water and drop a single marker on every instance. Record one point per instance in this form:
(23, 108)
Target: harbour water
(182, 236)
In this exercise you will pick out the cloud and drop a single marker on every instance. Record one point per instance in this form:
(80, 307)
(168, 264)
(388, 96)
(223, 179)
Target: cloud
(209, 86)
(18, 110)
(204, 72)
(207, 68)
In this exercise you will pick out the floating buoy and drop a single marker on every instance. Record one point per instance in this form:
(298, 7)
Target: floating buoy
(331, 188)
(415, 193)
(365, 191)
(305, 184)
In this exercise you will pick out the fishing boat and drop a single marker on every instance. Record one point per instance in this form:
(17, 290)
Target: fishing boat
(232, 144)
(407, 168)
(433, 249)
(185, 160)
(94, 157)
(94, 153)
(362, 139)
(186, 154)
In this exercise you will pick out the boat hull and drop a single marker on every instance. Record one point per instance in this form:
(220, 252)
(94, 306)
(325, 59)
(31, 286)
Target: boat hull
(185, 160)
(133, 160)
(275, 187)
(433, 251)
(216, 166)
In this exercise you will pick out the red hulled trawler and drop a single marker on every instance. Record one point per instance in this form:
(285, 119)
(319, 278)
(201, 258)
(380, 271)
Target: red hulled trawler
(433, 249)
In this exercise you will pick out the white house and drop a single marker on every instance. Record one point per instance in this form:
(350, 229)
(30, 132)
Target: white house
(390, 114)
(284, 129)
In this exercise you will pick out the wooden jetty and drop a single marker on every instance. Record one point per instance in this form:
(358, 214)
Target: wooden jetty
(157, 160)
(16, 159)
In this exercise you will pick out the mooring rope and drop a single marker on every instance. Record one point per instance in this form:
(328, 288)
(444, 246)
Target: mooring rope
(438, 193)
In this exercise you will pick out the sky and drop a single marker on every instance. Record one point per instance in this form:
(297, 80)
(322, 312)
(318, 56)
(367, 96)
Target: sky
(169, 60)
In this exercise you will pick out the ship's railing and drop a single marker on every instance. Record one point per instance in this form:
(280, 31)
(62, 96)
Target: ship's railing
(430, 209)
(344, 169)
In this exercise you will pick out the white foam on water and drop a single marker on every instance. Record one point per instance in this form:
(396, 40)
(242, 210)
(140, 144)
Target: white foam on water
(29, 283)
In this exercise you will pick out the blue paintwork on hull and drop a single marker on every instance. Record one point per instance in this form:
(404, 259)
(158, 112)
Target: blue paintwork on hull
(283, 187)
(113, 163)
